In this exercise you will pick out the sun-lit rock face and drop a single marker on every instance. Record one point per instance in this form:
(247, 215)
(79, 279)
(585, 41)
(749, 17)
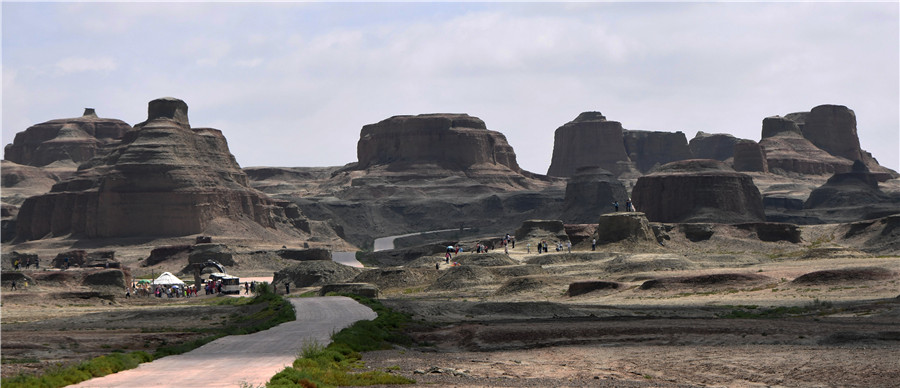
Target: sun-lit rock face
(589, 141)
(163, 179)
(75, 139)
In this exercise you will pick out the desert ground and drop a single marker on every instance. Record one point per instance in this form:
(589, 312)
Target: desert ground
(730, 311)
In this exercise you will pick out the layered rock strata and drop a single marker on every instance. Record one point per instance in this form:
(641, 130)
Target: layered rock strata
(75, 139)
(749, 156)
(698, 190)
(164, 179)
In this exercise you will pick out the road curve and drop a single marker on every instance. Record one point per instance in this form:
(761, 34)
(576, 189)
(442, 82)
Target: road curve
(247, 360)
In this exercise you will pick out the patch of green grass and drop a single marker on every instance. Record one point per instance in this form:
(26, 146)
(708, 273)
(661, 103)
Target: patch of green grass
(336, 364)
(275, 311)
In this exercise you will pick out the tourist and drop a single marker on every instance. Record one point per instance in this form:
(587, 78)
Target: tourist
(629, 206)
(569, 246)
(540, 247)
(616, 205)
(528, 247)
(593, 244)
(246, 287)
(287, 288)
(13, 286)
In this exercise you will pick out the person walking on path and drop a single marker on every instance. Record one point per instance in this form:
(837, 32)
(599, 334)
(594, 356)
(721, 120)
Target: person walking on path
(593, 244)
(287, 288)
(569, 246)
(616, 205)
(13, 286)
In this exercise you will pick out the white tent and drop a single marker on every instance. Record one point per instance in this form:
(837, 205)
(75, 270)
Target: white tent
(168, 280)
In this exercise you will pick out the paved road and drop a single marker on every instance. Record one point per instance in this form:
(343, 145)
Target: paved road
(245, 359)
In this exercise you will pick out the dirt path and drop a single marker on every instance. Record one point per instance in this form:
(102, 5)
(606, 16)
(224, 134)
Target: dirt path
(247, 359)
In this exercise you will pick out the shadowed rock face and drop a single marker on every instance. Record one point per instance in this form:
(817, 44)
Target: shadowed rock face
(699, 190)
(649, 149)
(833, 129)
(452, 141)
(590, 193)
(589, 141)
(718, 146)
(749, 156)
(164, 179)
(76, 139)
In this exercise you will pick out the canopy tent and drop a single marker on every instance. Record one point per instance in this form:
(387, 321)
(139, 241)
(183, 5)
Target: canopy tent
(167, 280)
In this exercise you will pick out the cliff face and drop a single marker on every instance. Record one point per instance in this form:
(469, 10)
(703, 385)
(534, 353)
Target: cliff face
(452, 141)
(718, 146)
(588, 141)
(76, 139)
(699, 190)
(591, 193)
(164, 179)
(649, 149)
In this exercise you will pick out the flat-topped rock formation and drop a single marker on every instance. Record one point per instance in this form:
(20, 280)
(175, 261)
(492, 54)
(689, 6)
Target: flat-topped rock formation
(163, 179)
(749, 156)
(589, 141)
(698, 190)
(853, 195)
(74, 139)
(831, 146)
(451, 141)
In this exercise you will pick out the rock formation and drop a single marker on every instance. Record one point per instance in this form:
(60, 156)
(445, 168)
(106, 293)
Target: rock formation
(451, 141)
(718, 146)
(649, 149)
(76, 139)
(787, 150)
(589, 141)
(699, 190)
(164, 179)
(833, 142)
(851, 189)
(625, 226)
(749, 156)
(590, 193)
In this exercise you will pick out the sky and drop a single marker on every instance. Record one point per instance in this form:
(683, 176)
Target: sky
(292, 83)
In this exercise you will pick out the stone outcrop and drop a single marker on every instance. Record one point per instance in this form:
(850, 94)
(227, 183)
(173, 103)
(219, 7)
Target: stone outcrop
(590, 193)
(854, 188)
(833, 142)
(451, 141)
(624, 227)
(362, 289)
(315, 273)
(787, 150)
(833, 129)
(589, 141)
(650, 149)
(163, 179)
(718, 146)
(699, 190)
(75, 139)
(533, 231)
(749, 156)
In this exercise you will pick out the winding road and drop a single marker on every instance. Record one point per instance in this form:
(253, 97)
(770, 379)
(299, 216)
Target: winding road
(245, 360)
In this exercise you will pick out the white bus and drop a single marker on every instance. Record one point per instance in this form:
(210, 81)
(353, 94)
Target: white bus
(230, 284)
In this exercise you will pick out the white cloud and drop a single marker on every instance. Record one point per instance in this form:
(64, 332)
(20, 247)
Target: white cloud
(81, 64)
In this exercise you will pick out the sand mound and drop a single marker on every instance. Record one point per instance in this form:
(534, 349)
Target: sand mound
(721, 280)
(648, 263)
(518, 270)
(565, 258)
(386, 278)
(523, 284)
(493, 259)
(457, 278)
(846, 275)
(106, 278)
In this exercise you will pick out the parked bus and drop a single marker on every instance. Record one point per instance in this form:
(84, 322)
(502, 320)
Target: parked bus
(230, 284)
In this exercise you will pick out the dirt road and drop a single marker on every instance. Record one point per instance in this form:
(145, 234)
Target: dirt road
(247, 359)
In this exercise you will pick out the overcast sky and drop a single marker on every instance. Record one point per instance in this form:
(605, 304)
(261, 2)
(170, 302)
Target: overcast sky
(292, 84)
